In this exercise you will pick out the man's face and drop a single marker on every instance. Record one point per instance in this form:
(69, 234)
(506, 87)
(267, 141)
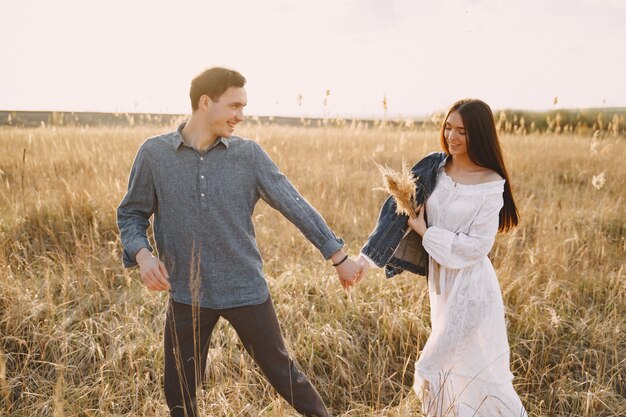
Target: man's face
(224, 114)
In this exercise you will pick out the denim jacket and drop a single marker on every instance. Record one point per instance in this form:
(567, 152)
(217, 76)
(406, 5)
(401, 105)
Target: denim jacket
(387, 245)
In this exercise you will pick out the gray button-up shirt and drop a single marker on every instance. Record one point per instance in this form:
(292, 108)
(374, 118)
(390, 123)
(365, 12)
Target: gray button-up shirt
(202, 205)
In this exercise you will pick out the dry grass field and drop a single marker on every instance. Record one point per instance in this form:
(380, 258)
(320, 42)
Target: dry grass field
(81, 336)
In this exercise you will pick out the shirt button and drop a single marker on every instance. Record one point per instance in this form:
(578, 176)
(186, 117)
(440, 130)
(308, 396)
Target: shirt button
(202, 195)
(202, 158)
(202, 176)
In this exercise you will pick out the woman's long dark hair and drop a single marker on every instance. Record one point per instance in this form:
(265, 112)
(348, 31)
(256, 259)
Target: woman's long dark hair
(483, 148)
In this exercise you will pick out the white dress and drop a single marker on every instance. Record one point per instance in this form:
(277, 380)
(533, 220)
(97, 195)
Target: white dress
(463, 369)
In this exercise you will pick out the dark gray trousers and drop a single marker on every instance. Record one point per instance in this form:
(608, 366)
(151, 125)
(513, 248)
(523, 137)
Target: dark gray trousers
(188, 333)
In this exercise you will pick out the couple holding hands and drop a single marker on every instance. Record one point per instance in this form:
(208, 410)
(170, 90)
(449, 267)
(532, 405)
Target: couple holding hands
(201, 184)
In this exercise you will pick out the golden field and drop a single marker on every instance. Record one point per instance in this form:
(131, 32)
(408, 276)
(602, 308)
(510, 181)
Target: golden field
(81, 336)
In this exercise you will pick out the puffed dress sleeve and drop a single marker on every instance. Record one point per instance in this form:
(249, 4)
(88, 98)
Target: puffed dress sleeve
(459, 250)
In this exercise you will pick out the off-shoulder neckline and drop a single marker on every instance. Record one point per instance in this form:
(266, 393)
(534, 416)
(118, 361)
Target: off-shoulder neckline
(479, 186)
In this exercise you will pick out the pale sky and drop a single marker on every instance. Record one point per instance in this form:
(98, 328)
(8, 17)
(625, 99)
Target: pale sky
(140, 55)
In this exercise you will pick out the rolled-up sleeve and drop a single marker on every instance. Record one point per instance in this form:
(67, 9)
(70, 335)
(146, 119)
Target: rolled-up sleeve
(133, 213)
(459, 250)
(277, 191)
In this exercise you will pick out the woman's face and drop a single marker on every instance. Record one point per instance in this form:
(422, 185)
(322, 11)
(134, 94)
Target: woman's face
(454, 133)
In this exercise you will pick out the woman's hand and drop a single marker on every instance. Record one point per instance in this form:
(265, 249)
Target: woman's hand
(365, 266)
(419, 224)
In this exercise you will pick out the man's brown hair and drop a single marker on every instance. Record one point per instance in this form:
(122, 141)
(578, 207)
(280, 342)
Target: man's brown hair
(213, 82)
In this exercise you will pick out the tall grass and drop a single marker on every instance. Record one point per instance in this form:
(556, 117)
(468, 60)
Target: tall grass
(80, 336)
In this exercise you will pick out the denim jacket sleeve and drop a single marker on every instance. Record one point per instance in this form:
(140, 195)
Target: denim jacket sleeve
(391, 227)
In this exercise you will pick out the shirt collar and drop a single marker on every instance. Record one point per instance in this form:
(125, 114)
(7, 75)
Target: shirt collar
(177, 138)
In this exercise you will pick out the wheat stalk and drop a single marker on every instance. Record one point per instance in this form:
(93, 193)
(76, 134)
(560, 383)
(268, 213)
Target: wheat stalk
(401, 186)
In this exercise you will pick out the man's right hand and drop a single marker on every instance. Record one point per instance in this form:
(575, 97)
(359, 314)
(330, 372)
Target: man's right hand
(152, 270)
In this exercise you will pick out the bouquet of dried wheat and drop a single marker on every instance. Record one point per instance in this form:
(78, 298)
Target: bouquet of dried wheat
(402, 187)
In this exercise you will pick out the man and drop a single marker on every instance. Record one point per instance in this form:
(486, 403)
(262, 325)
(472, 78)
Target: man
(201, 183)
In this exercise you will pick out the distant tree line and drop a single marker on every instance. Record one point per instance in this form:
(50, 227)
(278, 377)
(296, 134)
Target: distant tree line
(608, 121)
(598, 122)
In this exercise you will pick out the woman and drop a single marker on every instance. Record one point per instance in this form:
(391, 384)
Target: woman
(463, 369)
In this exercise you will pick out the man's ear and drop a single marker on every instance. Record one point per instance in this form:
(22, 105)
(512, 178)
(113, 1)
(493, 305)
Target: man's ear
(205, 102)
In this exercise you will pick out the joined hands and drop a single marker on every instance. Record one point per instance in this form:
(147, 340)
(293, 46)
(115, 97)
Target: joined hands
(350, 271)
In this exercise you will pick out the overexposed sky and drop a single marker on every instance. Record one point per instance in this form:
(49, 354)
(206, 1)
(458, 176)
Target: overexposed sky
(140, 55)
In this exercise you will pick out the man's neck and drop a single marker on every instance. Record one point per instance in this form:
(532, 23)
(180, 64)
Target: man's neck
(196, 135)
